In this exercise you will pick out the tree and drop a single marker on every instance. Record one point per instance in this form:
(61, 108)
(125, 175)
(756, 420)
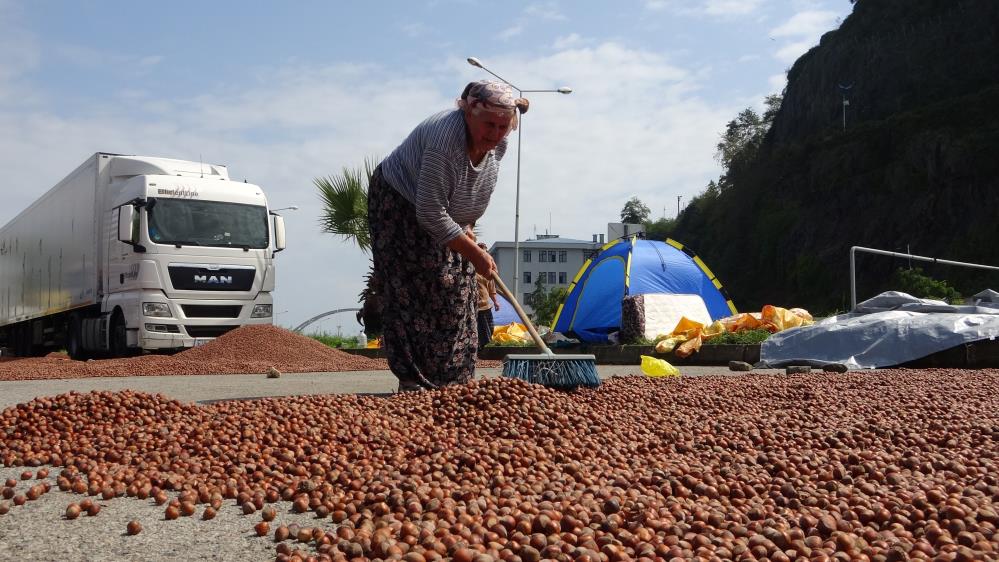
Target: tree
(921, 285)
(635, 212)
(345, 214)
(660, 229)
(545, 302)
(744, 135)
(345, 203)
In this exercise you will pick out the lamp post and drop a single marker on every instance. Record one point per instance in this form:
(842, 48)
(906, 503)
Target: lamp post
(289, 208)
(516, 220)
(843, 91)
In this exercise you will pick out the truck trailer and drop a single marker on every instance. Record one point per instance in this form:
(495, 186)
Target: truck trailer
(135, 253)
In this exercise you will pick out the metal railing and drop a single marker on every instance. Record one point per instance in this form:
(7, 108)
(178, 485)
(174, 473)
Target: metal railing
(853, 266)
(316, 318)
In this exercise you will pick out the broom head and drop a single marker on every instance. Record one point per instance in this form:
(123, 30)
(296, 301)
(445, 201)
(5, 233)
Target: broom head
(563, 372)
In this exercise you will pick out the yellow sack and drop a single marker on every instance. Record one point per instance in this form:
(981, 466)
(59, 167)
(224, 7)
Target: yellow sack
(744, 321)
(513, 332)
(374, 343)
(666, 345)
(777, 319)
(686, 327)
(653, 367)
(716, 328)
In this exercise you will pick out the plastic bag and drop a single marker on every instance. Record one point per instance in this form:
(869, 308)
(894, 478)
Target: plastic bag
(666, 345)
(513, 332)
(654, 367)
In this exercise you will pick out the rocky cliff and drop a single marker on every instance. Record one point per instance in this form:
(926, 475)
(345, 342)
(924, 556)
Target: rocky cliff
(915, 168)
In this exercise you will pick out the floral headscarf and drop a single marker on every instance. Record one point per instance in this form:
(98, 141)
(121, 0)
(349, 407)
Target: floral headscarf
(489, 95)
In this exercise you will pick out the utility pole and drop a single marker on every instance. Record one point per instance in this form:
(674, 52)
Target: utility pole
(843, 90)
(678, 205)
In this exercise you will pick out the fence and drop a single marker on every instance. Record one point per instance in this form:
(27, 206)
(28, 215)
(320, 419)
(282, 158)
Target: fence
(853, 266)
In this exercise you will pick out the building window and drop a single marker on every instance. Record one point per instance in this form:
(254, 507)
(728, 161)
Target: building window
(542, 256)
(527, 256)
(527, 277)
(527, 298)
(563, 256)
(552, 277)
(551, 256)
(562, 278)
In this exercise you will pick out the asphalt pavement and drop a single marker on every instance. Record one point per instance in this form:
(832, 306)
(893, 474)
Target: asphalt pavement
(212, 388)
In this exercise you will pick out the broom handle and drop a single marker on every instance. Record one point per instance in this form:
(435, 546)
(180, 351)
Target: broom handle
(520, 312)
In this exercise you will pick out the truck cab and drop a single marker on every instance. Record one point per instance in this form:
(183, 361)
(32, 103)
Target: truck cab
(192, 257)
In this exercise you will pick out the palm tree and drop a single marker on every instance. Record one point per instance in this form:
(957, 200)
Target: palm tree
(345, 203)
(345, 213)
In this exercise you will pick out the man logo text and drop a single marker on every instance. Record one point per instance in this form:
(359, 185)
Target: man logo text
(214, 279)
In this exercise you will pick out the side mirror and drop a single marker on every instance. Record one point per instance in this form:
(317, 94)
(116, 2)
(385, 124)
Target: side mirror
(279, 243)
(126, 215)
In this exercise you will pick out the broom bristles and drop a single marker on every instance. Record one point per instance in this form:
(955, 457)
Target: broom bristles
(559, 373)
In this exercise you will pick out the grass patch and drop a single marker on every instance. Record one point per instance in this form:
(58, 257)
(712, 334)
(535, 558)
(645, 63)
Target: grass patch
(745, 337)
(335, 341)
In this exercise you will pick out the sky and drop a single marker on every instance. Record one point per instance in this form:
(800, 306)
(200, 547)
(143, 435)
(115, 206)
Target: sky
(284, 92)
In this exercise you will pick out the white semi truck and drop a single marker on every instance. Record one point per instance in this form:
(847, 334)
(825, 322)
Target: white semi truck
(133, 253)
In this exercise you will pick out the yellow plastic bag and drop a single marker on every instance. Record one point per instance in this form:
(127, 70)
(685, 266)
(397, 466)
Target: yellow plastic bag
(513, 332)
(653, 367)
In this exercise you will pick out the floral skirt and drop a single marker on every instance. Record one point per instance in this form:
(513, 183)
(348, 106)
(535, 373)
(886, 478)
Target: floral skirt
(429, 295)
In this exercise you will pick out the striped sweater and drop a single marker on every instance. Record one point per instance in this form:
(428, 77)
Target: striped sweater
(432, 171)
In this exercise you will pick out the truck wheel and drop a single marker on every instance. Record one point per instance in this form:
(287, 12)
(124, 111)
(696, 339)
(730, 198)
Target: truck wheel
(119, 342)
(74, 339)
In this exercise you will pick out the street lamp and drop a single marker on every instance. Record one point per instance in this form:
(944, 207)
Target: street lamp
(520, 129)
(289, 208)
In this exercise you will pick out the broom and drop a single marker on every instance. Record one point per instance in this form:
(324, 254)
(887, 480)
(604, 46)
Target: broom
(563, 372)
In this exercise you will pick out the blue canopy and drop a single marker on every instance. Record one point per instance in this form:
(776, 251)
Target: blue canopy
(633, 266)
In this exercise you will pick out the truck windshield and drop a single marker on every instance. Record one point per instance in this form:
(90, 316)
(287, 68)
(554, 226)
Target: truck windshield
(189, 222)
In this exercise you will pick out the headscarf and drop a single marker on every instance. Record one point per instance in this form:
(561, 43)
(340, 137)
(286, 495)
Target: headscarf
(488, 95)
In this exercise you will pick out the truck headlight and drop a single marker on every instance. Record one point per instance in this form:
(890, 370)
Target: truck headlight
(158, 309)
(261, 311)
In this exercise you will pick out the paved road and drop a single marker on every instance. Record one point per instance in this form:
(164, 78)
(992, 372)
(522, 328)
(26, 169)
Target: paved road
(210, 388)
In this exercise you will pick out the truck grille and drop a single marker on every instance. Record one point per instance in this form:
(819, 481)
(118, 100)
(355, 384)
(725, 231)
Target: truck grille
(208, 331)
(200, 277)
(211, 310)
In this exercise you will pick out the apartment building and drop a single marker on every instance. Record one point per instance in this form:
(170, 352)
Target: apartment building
(552, 259)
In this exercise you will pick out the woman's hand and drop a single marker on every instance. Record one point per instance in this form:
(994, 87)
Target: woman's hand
(466, 246)
(484, 263)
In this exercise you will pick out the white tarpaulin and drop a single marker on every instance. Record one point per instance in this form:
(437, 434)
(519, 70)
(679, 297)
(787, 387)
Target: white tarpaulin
(889, 329)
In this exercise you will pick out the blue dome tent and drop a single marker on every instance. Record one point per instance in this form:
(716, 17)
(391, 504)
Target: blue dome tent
(506, 314)
(634, 266)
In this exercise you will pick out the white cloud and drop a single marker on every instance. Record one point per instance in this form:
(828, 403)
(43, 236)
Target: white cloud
(802, 32)
(791, 51)
(722, 8)
(635, 125)
(808, 24)
(19, 54)
(510, 32)
(731, 7)
(777, 82)
(545, 10)
(567, 42)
